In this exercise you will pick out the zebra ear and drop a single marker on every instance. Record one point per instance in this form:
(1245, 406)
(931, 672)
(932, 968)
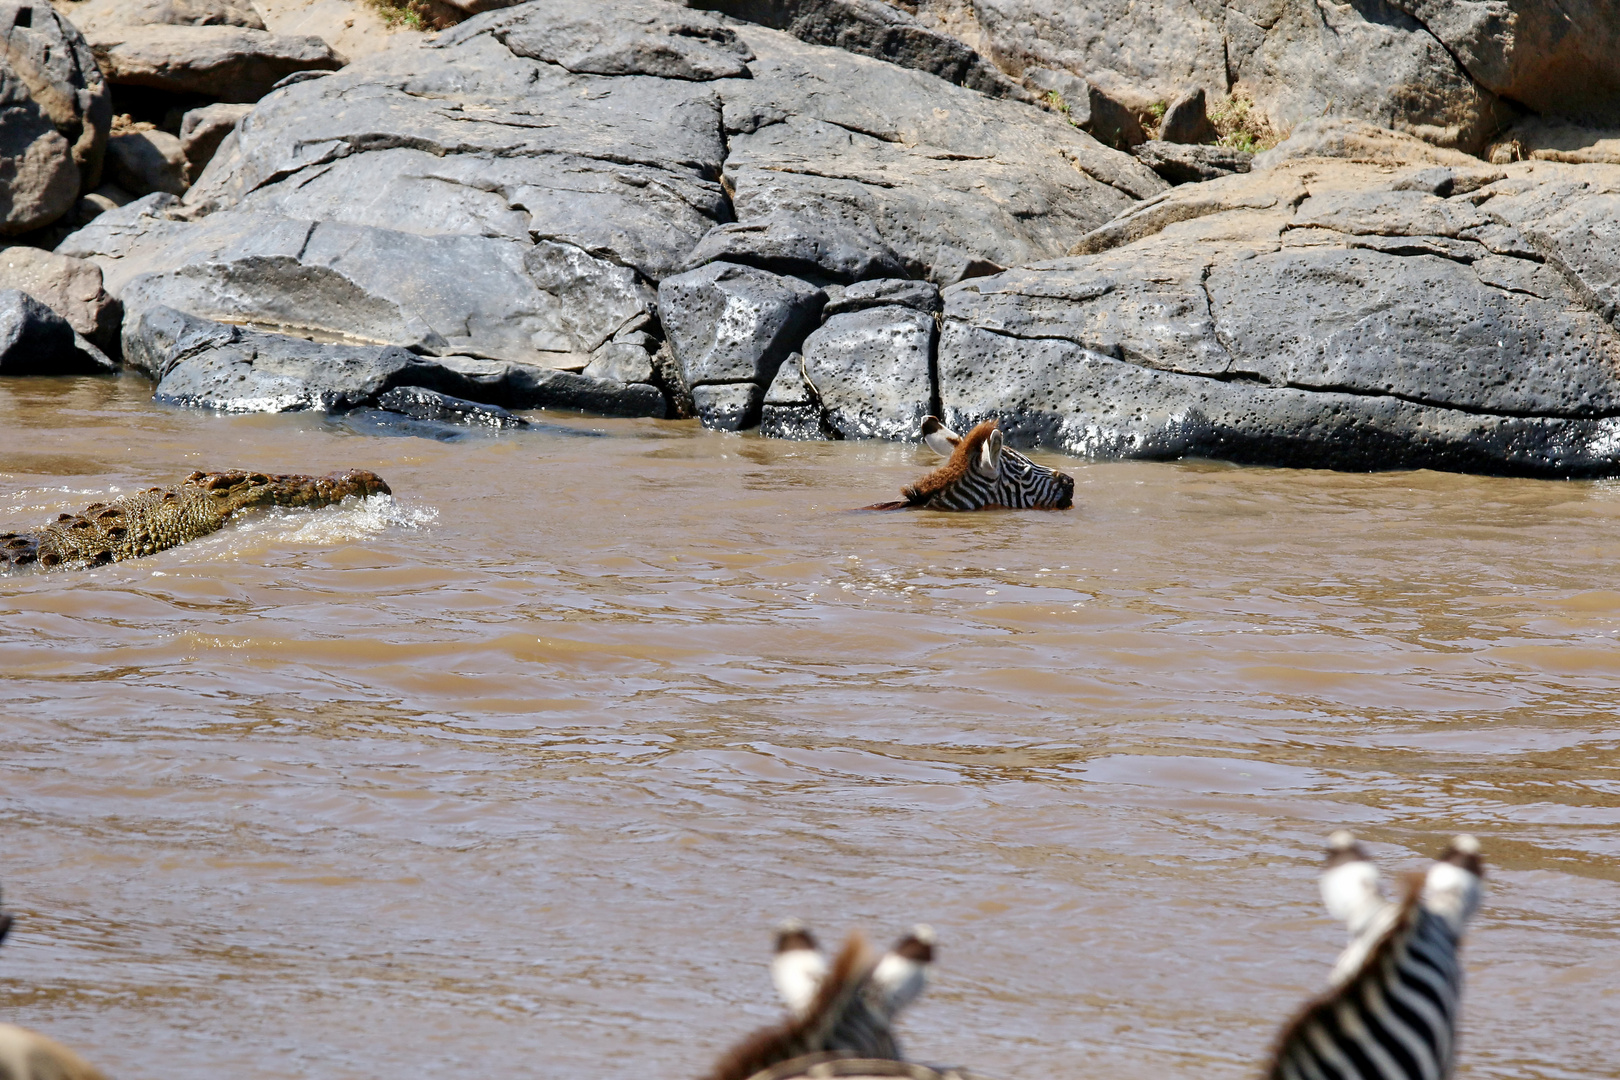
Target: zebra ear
(940, 439)
(988, 463)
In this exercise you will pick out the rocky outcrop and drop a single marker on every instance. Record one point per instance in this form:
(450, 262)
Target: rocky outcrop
(215, 48)
(873, 28)
(161, 518)
(1562, 59)
(870, 365)
(1298, 60)
(1184, 163)
(53, 130)
(34, 340)
(1316, 314)
(520, 189)
(146, 159)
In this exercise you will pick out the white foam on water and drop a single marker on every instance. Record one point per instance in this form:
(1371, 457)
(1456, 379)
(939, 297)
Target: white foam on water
(329, 526)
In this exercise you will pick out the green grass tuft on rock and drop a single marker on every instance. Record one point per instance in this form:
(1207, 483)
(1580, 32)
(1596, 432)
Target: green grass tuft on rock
(1242, 126)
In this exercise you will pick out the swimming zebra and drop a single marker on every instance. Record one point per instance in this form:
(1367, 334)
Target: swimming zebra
(1391, 1012)
(981, 474)
(28, 1055)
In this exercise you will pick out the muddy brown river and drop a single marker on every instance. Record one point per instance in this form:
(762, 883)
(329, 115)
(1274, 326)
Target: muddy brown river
(513, 774)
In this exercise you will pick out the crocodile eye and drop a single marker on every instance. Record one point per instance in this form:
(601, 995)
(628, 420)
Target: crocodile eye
(79, 523)
(106, 515)
(50, 558)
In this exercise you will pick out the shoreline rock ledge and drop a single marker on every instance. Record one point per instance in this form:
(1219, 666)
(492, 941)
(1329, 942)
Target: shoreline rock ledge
(644, 208)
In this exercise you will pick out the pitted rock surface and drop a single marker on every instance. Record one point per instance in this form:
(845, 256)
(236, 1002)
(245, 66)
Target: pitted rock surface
(871, 370)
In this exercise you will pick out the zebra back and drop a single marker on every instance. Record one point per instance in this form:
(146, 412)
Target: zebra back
(843, 1019)
(1393, 1017)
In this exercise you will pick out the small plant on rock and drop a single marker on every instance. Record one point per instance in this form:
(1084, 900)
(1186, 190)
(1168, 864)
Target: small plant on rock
(1242, 126)
(420, 15)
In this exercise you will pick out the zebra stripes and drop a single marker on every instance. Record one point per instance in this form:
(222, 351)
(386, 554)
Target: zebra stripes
(845, 1017)
(1391, 1013)
(982, 473)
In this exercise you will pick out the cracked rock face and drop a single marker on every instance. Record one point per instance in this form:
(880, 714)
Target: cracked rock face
(518, 188)
(1299, 60)
(1319, 314)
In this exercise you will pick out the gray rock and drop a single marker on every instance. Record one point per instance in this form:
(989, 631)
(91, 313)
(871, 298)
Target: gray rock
(622, 361)
(531, 387)
(460, 197)
(229, 63)
(729, 323)
(97, 13)
(918, 295)
(1559, 58)
(1111, 122)
(214, 366)
(1358, 327)
(628, 37)
(870, 370)
(423, 404)
(34, 340)
(1360, 141)
(728, 406)
(1182, 163)
(70, 287)
(142, 162)
(1186, 120)
(1298, 60)
(791, 409)
(439, 294)
(1065, 90)
(914, 162)
(202, 130)
(873, 28)
(53, 130)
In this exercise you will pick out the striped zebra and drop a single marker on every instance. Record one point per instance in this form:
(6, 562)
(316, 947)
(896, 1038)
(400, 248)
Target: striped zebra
(844, 1012)
(981, 474)
(844, 1017)
(1391, 1011)
(28, 1055)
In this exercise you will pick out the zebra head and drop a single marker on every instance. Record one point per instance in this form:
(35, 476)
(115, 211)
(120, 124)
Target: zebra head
(983, 473)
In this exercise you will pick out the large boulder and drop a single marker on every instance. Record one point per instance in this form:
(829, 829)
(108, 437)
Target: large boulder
(1560, 58)
(53, 128)
(870, 364)
(1320, 313)
(208, 364)
(215, 48)
(70, 287)
(34, 340)
(1297, 59)
(874, 28)
(517, 188)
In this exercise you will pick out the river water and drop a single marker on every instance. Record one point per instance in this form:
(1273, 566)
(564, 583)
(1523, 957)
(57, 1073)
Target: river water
(513, 773)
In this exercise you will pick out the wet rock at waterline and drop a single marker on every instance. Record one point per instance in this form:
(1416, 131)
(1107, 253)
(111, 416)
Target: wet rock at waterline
(420, 403)
(207, 364)
(870, 369)
(57, 113)
(34, 340)
(1315, 314)
(791, 409)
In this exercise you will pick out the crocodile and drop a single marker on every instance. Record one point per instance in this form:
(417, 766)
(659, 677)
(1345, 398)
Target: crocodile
(159, 518)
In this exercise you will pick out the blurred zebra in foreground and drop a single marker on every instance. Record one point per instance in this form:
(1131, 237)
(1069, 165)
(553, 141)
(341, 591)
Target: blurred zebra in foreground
(28, 1055)
(1391, 1012)
(843, 1011)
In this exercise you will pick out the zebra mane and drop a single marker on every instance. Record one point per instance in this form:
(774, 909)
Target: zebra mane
(839, 1019)
(952, 472)
(1318, 1016)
